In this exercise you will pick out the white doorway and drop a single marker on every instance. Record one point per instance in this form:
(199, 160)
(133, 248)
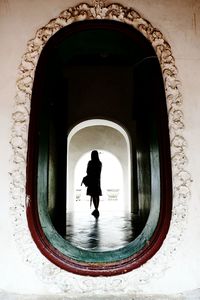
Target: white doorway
(113, 143)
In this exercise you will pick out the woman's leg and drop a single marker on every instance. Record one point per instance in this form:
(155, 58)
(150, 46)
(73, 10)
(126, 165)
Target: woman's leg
(95, 213)
(96, 202)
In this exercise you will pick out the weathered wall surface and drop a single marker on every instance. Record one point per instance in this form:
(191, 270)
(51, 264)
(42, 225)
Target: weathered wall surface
(179, 22)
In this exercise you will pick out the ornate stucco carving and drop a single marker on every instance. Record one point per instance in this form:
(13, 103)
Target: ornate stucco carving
(62, 281)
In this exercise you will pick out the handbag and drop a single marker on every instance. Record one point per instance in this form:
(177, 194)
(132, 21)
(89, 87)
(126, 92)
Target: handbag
(85, 180)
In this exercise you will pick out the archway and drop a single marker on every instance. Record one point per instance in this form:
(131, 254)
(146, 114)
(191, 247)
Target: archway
(109, 137)
(154, 229)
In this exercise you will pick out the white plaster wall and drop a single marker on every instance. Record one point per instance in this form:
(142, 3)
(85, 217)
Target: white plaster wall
(179, 21)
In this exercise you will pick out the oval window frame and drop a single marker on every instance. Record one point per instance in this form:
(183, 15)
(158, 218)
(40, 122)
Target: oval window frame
(91, 267)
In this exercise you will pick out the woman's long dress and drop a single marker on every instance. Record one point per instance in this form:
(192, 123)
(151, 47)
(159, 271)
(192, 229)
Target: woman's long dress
(94, 172)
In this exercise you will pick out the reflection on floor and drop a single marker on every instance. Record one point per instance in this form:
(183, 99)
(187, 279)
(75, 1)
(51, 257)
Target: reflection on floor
(112, 230)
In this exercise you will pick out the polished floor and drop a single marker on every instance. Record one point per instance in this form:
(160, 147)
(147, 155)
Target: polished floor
(112, 230)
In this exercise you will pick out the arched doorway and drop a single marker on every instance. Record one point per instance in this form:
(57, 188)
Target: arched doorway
(109, 137)
(57, 116)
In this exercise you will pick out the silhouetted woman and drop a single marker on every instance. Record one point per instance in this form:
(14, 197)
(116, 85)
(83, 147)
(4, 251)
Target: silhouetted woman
(94, 187)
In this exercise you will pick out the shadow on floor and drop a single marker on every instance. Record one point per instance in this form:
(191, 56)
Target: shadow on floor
(110, 231)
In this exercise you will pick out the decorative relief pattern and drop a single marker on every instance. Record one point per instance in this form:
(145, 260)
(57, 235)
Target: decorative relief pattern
(62, 281)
